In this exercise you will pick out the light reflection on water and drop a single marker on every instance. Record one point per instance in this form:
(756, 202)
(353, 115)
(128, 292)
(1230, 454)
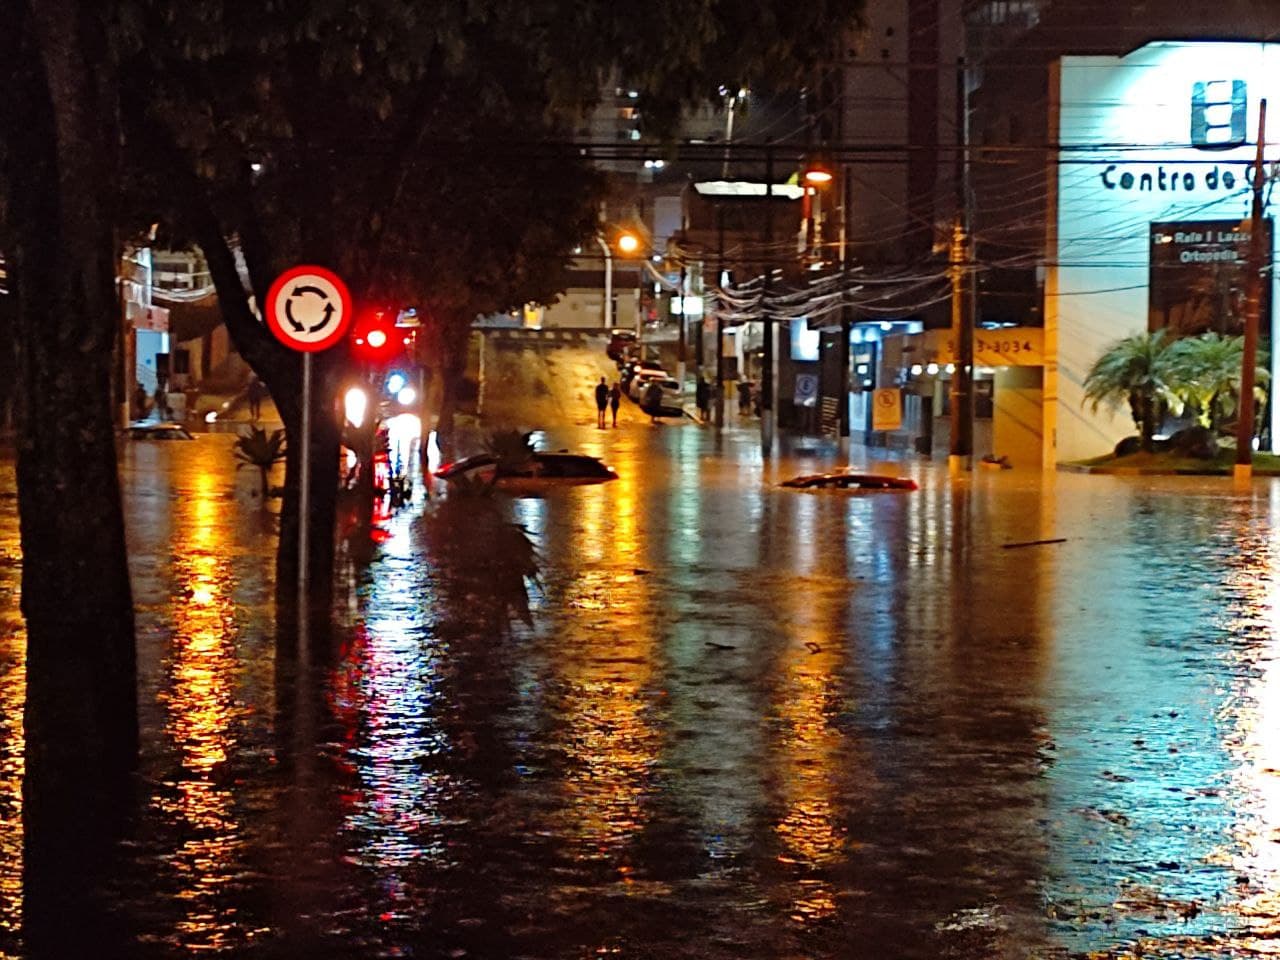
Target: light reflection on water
(200, 724)
(1253, 710)
(13, 691)
(603, 688)
(387, 695)
(743, 723)
(12, 697)
(810, 764)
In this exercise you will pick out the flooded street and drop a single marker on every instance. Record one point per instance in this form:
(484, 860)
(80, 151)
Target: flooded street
(739, 722)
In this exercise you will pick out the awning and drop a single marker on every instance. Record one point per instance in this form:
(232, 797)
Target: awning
(744, 188)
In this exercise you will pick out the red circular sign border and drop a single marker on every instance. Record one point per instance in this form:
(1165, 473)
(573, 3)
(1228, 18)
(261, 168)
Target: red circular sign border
(277, 287)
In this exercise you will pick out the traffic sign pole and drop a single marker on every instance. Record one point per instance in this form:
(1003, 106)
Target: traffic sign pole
(304, 495)
(308, 310)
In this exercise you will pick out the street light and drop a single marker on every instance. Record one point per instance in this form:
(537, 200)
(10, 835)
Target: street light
(817, 175)
(608, 281)
(628, 244)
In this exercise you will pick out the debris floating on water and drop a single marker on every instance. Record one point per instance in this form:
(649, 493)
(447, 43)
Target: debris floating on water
(1033, 543)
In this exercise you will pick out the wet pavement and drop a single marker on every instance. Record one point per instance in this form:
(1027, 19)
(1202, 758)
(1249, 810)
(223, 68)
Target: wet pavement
(739, 721)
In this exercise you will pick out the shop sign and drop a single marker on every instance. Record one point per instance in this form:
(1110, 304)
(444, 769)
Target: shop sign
(1004, 347)
(142, 317)
(886, 409)
(806, 389)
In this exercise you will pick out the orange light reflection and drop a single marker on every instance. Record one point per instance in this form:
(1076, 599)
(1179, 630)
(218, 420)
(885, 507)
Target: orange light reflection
(606, 685)
(809, 747)
(199, 723)
(13, 694)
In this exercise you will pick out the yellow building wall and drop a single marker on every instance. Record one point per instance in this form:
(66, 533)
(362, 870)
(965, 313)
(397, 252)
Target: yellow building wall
(1018, 428)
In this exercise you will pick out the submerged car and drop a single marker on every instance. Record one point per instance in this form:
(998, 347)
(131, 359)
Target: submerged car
(541, 471)
(850, 481)
(158, 431)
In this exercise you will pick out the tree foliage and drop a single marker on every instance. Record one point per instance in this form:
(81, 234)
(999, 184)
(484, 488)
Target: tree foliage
(1152, 371)
(420, 149)
(512, 451)
(261, 450)
(1136, 371)
(1205, 372)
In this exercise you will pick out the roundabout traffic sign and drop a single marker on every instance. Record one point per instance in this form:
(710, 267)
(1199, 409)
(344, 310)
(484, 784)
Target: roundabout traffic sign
(308, 308)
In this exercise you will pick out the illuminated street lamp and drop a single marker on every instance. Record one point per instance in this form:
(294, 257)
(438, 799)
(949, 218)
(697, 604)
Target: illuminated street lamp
(817, 175)
(608, 281)
(628, 243)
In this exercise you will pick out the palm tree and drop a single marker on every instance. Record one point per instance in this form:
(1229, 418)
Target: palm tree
(512, 451)
(258, 449)
(1135, 370)
(1205, 373)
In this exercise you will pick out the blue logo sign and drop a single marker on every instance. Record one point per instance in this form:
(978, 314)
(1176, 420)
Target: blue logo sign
(1219, 114)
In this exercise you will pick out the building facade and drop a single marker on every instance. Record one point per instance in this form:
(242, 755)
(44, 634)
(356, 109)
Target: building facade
(1151, 188)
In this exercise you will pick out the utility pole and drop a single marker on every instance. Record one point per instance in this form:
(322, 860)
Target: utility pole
(682, 345)
(606, 314)
(846, 316)
(1253, 307)
(728, 135)
(962, 301)
(719, 397)
(962, 337)
(766, 375)
(700, 328)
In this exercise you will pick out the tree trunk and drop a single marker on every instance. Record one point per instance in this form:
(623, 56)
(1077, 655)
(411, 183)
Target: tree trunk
(453, 363)
(448, 406)
(326, 441)
(280, 369)
(81, 710)
(1148, 423)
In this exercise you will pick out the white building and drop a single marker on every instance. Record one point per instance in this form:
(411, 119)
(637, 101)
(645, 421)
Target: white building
(1151, 182)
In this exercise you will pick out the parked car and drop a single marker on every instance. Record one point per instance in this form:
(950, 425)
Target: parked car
(158, 431)
(639, 373)
(632, 368)
(622, 343)
(639, 386)
(850, 481)
(544, 470)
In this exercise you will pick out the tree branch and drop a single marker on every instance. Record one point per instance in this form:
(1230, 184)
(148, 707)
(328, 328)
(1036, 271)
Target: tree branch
(250, 336)
(253, 241)
(395, 171)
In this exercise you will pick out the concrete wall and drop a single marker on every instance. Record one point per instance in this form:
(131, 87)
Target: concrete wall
(1018, 428)
(584, 309)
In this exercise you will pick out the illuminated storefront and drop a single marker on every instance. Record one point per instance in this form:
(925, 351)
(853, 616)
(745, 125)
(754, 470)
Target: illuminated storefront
(1152, 181)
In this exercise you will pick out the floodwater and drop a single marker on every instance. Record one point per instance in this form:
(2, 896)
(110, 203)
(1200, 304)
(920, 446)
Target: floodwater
(739, 722)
